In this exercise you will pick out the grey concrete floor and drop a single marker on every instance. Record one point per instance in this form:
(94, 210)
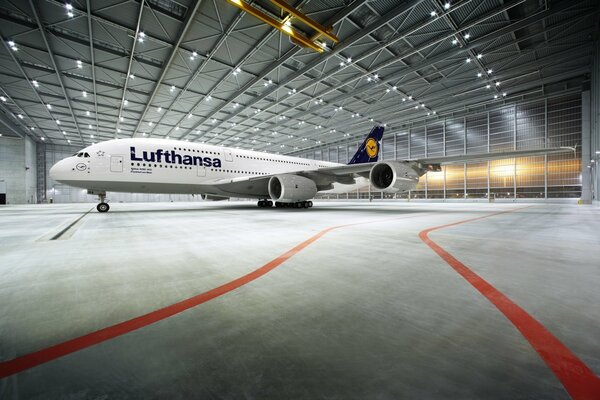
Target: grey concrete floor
(367, 311)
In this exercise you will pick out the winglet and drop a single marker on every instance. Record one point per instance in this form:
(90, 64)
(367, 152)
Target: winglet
(369, 149)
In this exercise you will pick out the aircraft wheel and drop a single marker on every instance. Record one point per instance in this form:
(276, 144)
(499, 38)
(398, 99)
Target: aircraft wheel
(310, 204)
(102, 207)
(261, 203)
(269, 203)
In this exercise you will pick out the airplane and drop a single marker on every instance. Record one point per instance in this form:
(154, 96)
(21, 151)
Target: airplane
(145, 165)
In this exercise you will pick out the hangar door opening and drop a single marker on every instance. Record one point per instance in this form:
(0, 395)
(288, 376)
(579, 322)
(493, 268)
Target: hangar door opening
(2, 192)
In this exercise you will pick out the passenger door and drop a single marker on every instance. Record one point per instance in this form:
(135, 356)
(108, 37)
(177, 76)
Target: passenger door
(116, 163)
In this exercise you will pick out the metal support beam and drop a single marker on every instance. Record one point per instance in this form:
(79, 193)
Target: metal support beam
(135, 37)
(56, 70)
(89, 20)
(180, 35)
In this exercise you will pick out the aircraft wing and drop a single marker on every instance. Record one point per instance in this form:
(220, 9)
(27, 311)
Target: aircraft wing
(257, 186)
(442, 160)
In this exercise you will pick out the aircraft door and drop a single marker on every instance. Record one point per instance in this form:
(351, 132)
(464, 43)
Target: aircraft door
(201, 171)
(116, 163)
(228, 155)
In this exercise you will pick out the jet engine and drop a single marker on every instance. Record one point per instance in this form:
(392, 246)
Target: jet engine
(393, 176)
(287, 188)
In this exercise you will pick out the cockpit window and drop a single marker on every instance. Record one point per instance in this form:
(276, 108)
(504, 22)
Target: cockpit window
(86, 155)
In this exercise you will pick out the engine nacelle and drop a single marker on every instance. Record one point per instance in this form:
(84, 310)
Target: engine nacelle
(393, 176)
(287, 188)
(212, 197)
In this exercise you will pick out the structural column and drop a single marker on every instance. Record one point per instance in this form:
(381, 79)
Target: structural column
(586, 159)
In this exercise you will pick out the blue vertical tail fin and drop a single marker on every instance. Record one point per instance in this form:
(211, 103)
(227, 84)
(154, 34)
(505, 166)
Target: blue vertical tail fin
(369, 149)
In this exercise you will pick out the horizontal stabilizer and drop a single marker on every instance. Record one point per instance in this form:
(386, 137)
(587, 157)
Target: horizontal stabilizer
(466, 158)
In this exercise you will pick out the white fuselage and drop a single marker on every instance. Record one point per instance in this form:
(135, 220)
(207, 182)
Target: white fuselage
(170, 166)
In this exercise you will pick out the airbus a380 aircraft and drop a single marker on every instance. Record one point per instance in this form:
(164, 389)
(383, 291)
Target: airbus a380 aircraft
(218, 173)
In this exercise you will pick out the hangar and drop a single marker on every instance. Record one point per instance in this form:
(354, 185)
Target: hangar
(481, 281)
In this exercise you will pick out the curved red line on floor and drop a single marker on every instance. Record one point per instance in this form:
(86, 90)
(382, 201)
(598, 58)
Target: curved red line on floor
(39, 357)
(577, 378)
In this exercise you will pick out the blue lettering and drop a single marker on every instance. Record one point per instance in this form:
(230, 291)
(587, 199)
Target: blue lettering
(133, 157)
(171, 157)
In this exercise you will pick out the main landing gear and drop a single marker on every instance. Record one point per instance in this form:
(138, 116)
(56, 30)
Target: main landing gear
(298, 204)
(102, 207)
(265, 203)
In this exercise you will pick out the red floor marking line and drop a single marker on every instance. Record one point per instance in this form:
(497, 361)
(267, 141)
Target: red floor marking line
(36, 358)
(577, 378)
(31, 360)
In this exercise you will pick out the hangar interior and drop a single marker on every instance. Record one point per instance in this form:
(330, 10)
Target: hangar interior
(351, 299)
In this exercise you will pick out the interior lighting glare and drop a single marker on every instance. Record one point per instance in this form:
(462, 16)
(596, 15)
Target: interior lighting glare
(467, 35)
(90, 126)
(20, 116)
(49, 106)
(479, 56)
(497, 83)
(35, 83)
(57, 121)
(141, 37)
(79, 64)
(489, 71)
(84, 94)
(454, 42)
(447, 6)
(487, 86)
(433, 13)
(469, 59)
(159, 109)
(3, 98)
(479, 74)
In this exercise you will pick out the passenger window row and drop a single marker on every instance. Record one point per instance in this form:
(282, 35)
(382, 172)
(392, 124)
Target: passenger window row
(274, 160)
(196, 151)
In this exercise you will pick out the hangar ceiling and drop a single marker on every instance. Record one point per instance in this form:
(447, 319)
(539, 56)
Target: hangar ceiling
(205, 71)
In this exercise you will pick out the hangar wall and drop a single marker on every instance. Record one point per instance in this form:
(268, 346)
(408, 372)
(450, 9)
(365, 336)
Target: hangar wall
(553, 121)
(18, 170)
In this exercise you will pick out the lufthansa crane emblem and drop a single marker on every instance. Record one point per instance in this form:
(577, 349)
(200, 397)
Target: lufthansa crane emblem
(372, 148)
(81, 167)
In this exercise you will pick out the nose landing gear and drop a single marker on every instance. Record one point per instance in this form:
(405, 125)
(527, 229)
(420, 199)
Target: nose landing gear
(102, 207)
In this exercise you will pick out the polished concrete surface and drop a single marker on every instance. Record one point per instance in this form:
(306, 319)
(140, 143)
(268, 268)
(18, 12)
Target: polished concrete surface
(367, 311)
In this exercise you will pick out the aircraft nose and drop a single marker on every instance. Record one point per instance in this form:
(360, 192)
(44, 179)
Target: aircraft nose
(59, 171)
